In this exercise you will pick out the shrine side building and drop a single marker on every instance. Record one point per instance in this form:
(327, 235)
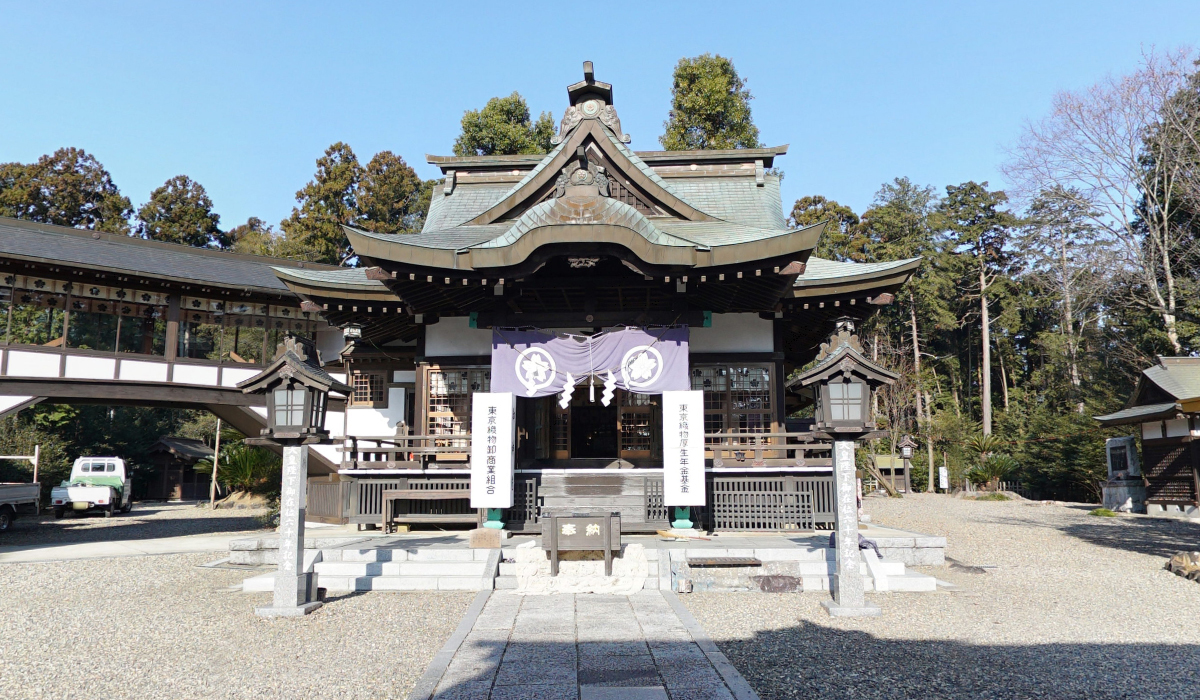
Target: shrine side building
(586, 240)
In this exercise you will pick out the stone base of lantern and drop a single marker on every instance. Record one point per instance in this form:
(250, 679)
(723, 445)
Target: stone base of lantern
(293, 611)
(865, 610)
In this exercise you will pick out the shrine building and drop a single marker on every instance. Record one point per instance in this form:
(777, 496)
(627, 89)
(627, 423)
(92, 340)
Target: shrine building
(585, 281)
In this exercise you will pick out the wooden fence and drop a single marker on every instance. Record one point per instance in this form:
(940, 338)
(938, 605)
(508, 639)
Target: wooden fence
(764, 503)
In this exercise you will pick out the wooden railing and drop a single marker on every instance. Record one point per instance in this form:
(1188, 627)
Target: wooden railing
(407, 452)
(765, 450)
(328, 501)
(729, 450)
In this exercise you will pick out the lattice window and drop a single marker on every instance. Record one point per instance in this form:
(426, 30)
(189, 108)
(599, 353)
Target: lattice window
(637, 424)
(622, 193)
(449, 408)
(370, 389)
(737, 399)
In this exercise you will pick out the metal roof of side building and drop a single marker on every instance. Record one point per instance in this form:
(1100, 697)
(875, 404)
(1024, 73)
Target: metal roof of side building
(127, 255)
(1163, 391)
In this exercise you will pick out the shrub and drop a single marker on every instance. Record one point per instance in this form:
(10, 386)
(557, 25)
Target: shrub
(993, 497)
(1103, 513)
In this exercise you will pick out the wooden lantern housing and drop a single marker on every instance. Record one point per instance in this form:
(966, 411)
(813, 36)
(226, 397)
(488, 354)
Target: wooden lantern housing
(297, 392)
(842, 383)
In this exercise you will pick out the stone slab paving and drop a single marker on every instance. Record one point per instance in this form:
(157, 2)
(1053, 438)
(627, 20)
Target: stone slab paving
(581, 647)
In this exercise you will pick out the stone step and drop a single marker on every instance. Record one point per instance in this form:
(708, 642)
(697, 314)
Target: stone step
(912, 583)
(400, 568)
(402, 583)
(393, 555)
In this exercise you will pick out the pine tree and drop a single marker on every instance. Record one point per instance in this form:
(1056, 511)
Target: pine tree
(710, 107)
(181, 212)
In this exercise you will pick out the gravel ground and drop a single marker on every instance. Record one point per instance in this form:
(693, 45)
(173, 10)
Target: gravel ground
(145, 521)
(159, 627)
(1052, 603)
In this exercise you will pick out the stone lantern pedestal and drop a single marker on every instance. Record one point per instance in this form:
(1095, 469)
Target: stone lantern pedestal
(849, 593)
(295, 590)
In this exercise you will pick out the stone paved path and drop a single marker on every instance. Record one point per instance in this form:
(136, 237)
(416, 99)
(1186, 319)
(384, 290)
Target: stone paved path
(586, 647)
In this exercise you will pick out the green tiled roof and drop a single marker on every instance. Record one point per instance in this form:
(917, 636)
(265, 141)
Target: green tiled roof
(1178, 376)
(346, 276)
(734, 199)
(464, 204)
(1137, 414)
(641, 164)
(618, 213)
(532, 173)
(822, 270)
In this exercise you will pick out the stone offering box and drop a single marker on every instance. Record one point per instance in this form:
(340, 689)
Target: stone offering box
(582, 532)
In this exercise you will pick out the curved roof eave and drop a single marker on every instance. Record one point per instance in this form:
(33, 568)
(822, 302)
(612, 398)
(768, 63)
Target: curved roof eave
(548, 170)
(847, 279)
(350, 283)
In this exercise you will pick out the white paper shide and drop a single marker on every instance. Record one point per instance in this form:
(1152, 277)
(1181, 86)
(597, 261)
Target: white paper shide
(493, 417)
(683, 448)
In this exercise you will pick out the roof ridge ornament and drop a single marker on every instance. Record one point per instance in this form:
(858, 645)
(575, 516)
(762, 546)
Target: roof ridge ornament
(590, 99)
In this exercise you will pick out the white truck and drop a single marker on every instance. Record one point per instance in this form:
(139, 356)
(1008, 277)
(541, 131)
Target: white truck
(96, 483)
(18, 499)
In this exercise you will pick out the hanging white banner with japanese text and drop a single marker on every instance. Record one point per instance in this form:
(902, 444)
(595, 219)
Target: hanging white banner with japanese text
(683, 448)
(493, 417)
(640, 360)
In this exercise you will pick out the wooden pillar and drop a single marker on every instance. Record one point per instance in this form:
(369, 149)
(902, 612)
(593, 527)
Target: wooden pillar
(172, 342)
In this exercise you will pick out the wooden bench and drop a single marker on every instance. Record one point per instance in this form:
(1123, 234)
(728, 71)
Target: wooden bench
(390, 496)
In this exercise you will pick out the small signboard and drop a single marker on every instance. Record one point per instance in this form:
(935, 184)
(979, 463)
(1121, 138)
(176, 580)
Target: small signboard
(493, 417)
(683, 448)
(581, 532)
(943, 478)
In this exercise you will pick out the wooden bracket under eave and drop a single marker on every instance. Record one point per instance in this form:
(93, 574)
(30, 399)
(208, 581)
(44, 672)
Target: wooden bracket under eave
(379, 274)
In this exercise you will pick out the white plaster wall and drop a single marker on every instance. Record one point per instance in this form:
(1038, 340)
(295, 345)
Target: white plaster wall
(734, 333)
(1177, 427)
(138, 371)
(32, 364)
(454, 336)
(404, 376)
(85, 367)
(334, 422)
(329, 343)
(7, 402)
(230, 376)
(195, 374)
(376, 422)
(1151, 431)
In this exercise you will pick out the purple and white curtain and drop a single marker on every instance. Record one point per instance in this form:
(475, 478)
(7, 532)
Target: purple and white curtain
(540, 363)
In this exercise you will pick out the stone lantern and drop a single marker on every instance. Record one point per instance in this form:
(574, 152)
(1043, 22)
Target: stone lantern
(842, 383)
(297, 394)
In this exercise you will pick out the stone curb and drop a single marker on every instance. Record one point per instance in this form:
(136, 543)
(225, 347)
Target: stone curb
(737, 683)
(424, 688)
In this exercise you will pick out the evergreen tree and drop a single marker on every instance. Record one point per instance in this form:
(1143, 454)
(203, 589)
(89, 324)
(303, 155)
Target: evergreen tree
(710, 107)
(503, 127)
(68, 188)
(839, 240)
(392, 198)
(181, 212)
(979, 229)
(255, 237)
(330, 200)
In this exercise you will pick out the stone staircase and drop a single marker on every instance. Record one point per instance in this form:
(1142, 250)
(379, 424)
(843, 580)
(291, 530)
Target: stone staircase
(807, 569)
(355, 567)
(352, 569)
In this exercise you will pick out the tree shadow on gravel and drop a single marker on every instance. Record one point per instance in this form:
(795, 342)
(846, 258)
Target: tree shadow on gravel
(1160, 538)
(75, 530)
(812, 661)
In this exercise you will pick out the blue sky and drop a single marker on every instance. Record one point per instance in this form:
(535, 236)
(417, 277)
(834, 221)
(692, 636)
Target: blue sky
(243, 97)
